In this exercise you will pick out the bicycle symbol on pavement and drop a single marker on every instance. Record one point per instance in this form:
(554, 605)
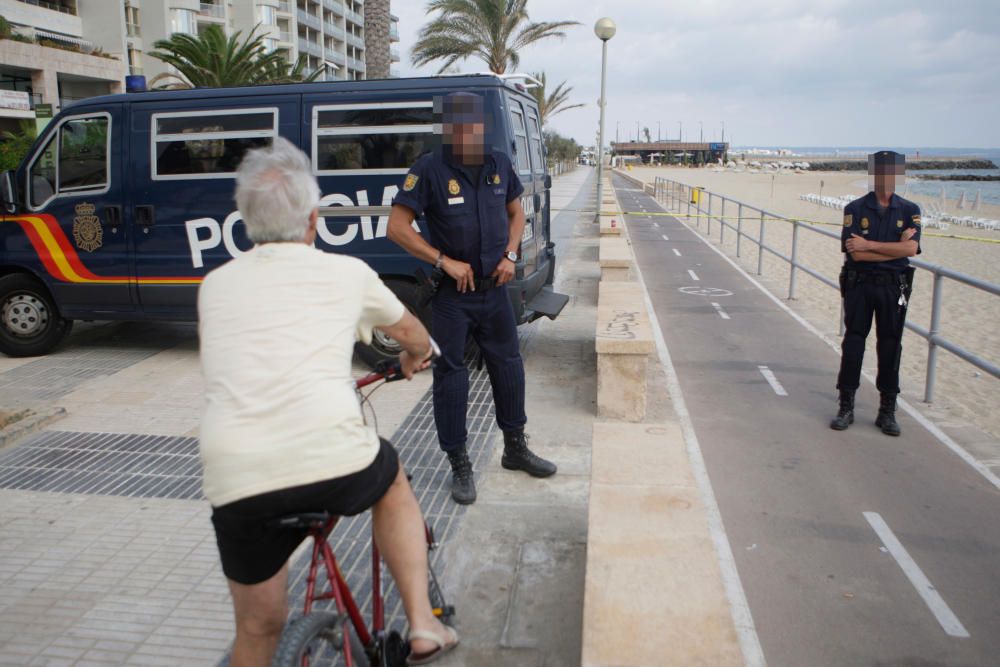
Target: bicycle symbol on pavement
(705, 291)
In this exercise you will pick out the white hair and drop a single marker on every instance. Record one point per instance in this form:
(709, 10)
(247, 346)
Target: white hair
(276, 192)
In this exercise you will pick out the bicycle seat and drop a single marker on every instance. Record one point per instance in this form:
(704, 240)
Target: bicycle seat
(303, 520)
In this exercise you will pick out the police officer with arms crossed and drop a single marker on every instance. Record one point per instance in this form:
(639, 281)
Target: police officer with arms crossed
(470, 196)
(880, 231)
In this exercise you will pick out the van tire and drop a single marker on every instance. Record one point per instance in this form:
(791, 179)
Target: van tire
(384, 348)
(30, 323)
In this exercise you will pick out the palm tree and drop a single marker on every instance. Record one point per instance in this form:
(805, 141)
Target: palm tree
(211, 60)
(377, 42)
(493, 30)
(552, 103)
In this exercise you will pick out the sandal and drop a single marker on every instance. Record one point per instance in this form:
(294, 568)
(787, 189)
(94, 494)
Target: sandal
(442, 646)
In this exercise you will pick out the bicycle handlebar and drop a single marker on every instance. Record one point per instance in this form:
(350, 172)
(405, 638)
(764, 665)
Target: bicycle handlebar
(390, 370)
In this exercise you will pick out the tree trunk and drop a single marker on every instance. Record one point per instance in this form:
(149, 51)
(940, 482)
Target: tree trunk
(377, 58)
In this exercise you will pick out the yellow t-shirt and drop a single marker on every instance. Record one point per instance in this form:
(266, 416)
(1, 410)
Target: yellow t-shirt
(277, 328)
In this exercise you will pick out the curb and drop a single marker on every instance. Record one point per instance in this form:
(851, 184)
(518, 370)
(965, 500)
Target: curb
(29, 422)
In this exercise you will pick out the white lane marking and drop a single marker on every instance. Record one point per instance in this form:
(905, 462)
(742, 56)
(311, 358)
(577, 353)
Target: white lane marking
(931, 427)
(944, 615)
(773, 381)
(723, 314)
(656, 224)
(677, 252)
(753, 655)
(666, 238)
(694, 276)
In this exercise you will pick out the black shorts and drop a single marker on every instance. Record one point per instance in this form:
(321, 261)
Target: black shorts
(253, 549)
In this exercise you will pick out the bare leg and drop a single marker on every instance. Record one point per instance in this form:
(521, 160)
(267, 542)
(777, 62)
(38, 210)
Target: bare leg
(261, 610)
(399, 533)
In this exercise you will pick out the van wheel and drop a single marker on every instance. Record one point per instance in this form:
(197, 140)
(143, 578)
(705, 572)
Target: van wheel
(30, 323)
(383, 347)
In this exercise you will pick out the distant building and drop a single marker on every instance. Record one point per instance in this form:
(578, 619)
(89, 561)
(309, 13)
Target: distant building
(672, 152)
(329, 33)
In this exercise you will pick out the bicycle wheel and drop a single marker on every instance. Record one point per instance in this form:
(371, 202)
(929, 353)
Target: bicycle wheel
(318, 639)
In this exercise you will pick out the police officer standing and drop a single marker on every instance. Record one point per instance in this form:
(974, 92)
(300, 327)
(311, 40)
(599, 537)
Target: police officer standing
(881, 230)
(470, 196)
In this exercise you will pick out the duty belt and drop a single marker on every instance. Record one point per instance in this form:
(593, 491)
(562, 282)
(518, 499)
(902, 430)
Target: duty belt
(481, 284)
(878, 278)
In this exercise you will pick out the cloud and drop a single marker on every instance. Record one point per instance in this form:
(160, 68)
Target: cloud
(838, 72)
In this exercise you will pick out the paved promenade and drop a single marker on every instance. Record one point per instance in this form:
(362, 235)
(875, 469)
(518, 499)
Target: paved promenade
(107, 556)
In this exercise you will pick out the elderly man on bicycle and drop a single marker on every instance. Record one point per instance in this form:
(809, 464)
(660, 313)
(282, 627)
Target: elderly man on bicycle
(283, 431)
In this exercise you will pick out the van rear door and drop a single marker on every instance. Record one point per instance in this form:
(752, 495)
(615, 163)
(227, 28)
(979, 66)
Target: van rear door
(532, 178)
(186, 223)
(75, 222)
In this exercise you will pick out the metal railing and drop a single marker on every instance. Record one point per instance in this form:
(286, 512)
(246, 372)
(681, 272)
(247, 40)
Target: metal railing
(62, 9)
(335, 6)
(678, 196)
(355, 40)
(336, 57)
(335, 31)
(312, 48)
(354, 16)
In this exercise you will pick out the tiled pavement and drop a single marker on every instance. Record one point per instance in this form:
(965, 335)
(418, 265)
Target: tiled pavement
(110, 560)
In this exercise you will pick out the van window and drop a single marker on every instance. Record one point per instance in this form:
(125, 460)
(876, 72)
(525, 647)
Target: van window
(76, 159)
(536, 143)
(376, 138)
(520, 140)
(208, 144)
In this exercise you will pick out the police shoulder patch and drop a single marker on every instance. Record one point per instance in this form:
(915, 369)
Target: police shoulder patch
(848, 220)
(411, 182)
(916, 220)
(496, 179)
(899, 224)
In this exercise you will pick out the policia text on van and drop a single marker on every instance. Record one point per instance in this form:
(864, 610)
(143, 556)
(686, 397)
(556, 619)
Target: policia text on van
(126, 201)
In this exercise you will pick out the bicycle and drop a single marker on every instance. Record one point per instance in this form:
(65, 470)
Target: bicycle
(343, 631)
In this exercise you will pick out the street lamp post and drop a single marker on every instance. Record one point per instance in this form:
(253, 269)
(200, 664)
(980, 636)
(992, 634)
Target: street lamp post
(605, 30)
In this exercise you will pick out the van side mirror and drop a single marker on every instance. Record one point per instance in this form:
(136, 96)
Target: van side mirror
(548, 181)
(7, 196)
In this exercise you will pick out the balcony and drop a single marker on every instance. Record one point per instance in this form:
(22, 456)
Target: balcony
(51, 6)
(355, 64)
(394, 72)
(312, 48)
(336, 57)
(393, 32)
(285, 37)
(133, 30)
(310, 20)
(394, 54)
(355, 17)
(355, 41)
(333, 31)
(284, 7)
(212, 10)
(335, 6)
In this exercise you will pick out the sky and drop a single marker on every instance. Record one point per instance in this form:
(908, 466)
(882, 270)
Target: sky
(916, 73)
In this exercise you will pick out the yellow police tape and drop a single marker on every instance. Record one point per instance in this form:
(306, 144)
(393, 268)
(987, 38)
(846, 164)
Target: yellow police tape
(757, 218)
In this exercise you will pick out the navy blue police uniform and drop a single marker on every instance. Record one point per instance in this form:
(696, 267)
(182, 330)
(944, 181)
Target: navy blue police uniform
(876, 288)
(466, 211)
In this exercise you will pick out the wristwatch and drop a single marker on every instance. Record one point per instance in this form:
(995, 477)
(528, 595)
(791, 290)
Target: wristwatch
(511, 255)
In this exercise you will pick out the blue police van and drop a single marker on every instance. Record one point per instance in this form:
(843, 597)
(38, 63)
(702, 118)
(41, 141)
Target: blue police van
(126, 201)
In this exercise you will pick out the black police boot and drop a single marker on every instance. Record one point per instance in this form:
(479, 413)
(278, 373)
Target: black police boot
(517, 456)
(845, 416)
(463, 486)
(886, 419)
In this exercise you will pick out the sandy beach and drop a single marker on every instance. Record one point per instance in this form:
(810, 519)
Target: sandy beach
(970, 317)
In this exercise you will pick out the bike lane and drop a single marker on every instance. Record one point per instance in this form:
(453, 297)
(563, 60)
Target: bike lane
(830, 531)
